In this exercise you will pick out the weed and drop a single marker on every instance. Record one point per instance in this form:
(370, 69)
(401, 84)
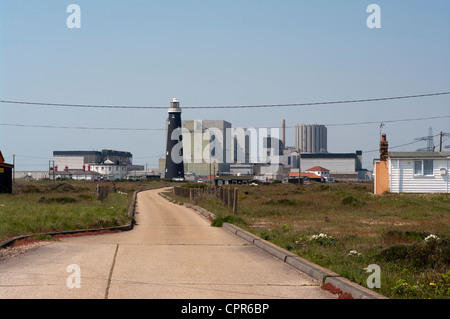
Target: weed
(350, 201)
(281, 202)
(58, 200)
(231, 219)
(43, 237)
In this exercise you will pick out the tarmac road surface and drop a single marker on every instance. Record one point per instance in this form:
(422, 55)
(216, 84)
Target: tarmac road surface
(172, 253)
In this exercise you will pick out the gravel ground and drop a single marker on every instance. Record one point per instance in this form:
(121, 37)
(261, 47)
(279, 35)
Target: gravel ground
(13, 251)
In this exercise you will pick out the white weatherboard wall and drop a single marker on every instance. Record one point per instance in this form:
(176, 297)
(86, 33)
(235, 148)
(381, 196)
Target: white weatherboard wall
(403, 180)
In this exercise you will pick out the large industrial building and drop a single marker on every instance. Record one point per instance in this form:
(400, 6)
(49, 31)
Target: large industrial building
(209, 149)
(341, 166)
(311, 138)
(105, 164)
(205, 142)
(78, 160)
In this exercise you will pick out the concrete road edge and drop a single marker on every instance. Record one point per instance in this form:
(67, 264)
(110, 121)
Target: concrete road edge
(317, 272)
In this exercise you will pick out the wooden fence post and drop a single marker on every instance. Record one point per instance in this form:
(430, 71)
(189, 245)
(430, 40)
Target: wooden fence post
(235, 200)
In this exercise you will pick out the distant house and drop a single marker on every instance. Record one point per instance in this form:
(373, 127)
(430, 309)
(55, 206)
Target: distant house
(78, 175)
(411, 172)
(109, 170)
(306, 176)
(319, 171)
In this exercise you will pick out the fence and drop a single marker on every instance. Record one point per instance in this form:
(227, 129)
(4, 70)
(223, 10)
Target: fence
(227, 195)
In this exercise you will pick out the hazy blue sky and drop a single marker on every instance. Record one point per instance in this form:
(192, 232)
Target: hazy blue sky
(217, 52)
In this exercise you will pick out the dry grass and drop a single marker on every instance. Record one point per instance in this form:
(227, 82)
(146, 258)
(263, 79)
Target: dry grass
(378, 228)
(39, 207)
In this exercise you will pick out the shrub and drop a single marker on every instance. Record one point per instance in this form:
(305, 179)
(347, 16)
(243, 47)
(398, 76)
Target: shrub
(427, 254)
(350, 201)
(57, 200)
(30, 188)
(218, 221)
(322, 239)
(281, 202)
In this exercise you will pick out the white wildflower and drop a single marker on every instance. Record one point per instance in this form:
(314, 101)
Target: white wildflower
(431, 237)
(353, 253)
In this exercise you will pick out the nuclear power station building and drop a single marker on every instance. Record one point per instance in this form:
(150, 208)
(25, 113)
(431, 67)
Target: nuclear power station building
(311, 138)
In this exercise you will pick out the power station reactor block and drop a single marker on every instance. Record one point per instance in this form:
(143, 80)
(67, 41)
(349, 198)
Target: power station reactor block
(174, 148)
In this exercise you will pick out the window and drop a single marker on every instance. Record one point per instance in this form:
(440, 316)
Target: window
(423, 167)
(428, 167)
(418, 168)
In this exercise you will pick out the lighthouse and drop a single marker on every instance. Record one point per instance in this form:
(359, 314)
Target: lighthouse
(174, 148)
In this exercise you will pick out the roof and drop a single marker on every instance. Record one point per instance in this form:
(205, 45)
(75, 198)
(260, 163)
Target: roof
(76, 153)
(317, 169)
(309, 175)
(78, 172)
(2, 161)
(412, 155)
(233, 177)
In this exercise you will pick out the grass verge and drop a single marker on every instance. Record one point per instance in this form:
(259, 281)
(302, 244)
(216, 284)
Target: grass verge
(40, 207)
(358, 229)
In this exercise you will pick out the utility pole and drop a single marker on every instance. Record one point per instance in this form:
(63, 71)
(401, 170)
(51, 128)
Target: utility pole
(299, 164)
(440, 141)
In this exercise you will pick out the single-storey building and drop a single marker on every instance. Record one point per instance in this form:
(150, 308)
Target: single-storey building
(411, 172)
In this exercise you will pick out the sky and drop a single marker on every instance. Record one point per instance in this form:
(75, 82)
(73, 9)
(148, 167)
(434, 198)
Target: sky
(215, 53)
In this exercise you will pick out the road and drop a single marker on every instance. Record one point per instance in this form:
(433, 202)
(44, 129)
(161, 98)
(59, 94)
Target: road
(172, 253)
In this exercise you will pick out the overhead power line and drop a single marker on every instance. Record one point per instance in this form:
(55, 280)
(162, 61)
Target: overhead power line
(401, 145)
(83, 127)
(228, 106)
(163, 129)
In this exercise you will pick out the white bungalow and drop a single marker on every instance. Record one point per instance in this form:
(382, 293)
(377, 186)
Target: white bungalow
(419, 172)
(415, 172)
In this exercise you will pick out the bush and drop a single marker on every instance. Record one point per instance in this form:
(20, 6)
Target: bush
(281, 202)
(218, 221)
(350, 201)
(57, 200)
(30, 188)
(322, 239)
(429, 254)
